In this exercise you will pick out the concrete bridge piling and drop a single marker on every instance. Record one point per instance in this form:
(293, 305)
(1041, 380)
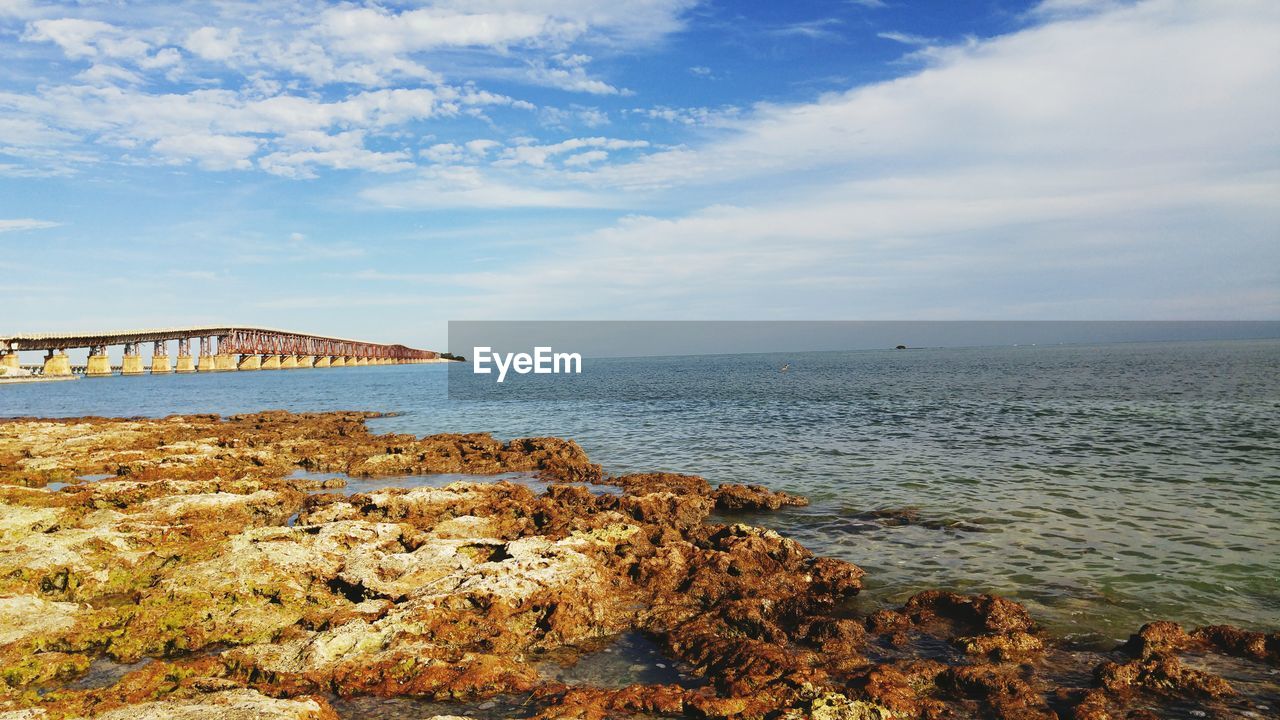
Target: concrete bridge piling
(160, 359)
(131, 363)
(185, 363)
(98, 364)
(221, 349)
(57, 363)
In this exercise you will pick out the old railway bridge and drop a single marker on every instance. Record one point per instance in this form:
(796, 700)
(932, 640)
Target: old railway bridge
(219, 349)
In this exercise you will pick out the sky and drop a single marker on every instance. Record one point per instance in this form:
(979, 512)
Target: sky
(373, 170)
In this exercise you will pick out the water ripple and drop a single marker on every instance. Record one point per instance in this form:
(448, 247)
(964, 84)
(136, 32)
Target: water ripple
(1110, 484)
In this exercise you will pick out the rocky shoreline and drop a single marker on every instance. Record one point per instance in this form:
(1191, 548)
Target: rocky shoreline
(226, 586)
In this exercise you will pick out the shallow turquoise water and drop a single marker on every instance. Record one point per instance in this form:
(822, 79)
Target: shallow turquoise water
(1103, 485)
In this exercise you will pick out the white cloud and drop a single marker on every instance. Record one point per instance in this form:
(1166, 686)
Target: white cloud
(77, 38)
(906, 38)
(586, 158)
(163, 58)
(899, 250)
(537, 155)
(468, 187)
(689, 115)
(568, 72)
(238, 78)
(617, 22)
(212, 43)
(22, 131)
(813, 29)
(377, 32)
(224, 130)
(20, 224)
(343, 151)
(39, 150)
(377, 46)
(444, 153)
(1089, 168)
(21, 9)
(593, 117)
(310, 59)
(1058, 9)
(1118, 92)
(95, 40)
(274, 47)
(1122, 155)
(527, 152)
(482, 147)
(212, 152)
(105, 74)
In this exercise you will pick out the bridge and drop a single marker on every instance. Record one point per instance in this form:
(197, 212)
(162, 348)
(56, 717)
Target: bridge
(219, 349)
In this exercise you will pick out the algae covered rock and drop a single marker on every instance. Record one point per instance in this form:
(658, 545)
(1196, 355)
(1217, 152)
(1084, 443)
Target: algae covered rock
(202, 578)
(24, 617)
(226, 705)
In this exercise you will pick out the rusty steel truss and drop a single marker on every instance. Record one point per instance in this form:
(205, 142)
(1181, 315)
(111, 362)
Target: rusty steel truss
(230, 341)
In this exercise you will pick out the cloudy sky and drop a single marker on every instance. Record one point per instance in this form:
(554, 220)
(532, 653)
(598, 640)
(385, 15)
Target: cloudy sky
(375, 169)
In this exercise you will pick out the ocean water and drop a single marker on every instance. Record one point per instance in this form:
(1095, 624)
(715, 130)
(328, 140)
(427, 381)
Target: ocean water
(1103, 486)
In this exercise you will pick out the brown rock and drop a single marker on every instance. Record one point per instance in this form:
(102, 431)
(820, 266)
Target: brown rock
(987, 613)
(251, 591)
(1241, 643)
(1003, 647)
(1156, 638)
(754, 497)
(999, 688)
(1161, 675)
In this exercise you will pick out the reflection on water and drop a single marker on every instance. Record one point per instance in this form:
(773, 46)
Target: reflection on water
(1112, 484)
(105, 672)
(56, 486)
(613, 663)
(406, 708)
(623, 660)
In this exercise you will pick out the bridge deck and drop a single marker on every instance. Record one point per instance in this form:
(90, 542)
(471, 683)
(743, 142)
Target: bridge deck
(55, 340)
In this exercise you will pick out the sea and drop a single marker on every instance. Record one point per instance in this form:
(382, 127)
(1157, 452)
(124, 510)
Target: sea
(1103, 486)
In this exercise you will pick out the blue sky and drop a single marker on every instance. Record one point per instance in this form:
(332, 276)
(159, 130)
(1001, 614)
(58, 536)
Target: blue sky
(373, 170)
